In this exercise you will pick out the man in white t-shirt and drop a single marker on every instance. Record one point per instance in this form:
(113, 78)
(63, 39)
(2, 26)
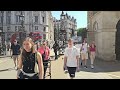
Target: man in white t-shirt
(71, 59)
(84, 52)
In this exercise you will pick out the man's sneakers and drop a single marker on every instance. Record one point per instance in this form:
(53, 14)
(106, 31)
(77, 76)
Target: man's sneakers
(85, 66)
(92, 67)
(65, 71)
(15, 68)
(81, 63)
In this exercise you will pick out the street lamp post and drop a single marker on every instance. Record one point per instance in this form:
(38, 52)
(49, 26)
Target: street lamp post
(2, 34)
(22, 33)
(1, 31)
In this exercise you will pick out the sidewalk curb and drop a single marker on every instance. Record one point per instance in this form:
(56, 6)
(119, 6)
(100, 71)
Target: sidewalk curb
(4, 56)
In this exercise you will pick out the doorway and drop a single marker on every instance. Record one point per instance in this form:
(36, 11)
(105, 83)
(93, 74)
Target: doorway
(117, 41)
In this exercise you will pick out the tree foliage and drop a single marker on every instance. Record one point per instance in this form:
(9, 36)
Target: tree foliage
(80, 31)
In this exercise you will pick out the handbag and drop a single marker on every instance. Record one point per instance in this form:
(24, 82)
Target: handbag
(22, 75)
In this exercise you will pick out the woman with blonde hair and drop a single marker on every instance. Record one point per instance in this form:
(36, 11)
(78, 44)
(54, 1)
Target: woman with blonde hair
(28, 59)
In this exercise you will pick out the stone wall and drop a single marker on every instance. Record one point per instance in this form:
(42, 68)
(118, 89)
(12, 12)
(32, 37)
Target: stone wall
(104, 32)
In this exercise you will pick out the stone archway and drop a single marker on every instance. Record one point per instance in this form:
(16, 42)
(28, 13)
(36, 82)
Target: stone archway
(117, 41)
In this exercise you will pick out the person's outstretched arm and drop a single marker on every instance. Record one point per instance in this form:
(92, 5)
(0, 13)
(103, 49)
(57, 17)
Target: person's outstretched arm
(40, 65)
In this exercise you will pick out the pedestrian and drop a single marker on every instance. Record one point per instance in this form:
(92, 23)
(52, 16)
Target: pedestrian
(28, 60)
(45, 52)
(15, 48)
(20, 47)
(4, 48)
(56, 48)
(92, 53)
(8, 47)
(84, 48)
(71, 59)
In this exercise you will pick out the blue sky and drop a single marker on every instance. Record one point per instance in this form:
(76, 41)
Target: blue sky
(80, 16)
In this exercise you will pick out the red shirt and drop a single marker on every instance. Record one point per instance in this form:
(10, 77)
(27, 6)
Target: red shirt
(92, 49)
(47, 52)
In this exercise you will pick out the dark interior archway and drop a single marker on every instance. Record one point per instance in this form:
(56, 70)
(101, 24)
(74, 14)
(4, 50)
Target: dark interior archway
(117, 41)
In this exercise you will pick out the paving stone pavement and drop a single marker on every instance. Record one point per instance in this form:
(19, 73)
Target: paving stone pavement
(102, 70)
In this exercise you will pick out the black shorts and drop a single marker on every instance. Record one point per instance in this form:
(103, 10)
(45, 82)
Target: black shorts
(71, 71)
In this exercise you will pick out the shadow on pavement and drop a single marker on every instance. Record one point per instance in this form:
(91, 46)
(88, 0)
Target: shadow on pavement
(102, 66)
(8, 69)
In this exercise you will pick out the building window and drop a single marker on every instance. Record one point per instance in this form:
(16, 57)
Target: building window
(95, 26)
(8, 19)
(44, 36)
(17, 18)
(36, 27)
(36, 19)
(62, 17)
(44, 29)
(94, 12)
(15, 28)
(0, 19)
(19, 28)
(43, 19)
(43, 11)
(9, 12)
(8, 28)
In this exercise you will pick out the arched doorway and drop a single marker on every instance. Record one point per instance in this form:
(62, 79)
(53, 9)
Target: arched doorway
(117, 41)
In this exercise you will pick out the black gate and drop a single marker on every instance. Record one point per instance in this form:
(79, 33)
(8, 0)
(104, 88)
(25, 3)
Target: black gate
(117, 41)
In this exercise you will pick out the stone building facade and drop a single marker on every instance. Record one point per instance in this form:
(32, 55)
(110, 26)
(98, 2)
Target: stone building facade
(66, 27)
(103, 28)
(50, 32)
(34, 21)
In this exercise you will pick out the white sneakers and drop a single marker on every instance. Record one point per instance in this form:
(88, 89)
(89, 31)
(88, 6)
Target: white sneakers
(15, 67)
(66, 71)
(92, 66)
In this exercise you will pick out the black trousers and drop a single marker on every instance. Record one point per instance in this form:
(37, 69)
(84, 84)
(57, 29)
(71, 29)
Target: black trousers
(55, 51)
(71, 71)
(45, 64)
